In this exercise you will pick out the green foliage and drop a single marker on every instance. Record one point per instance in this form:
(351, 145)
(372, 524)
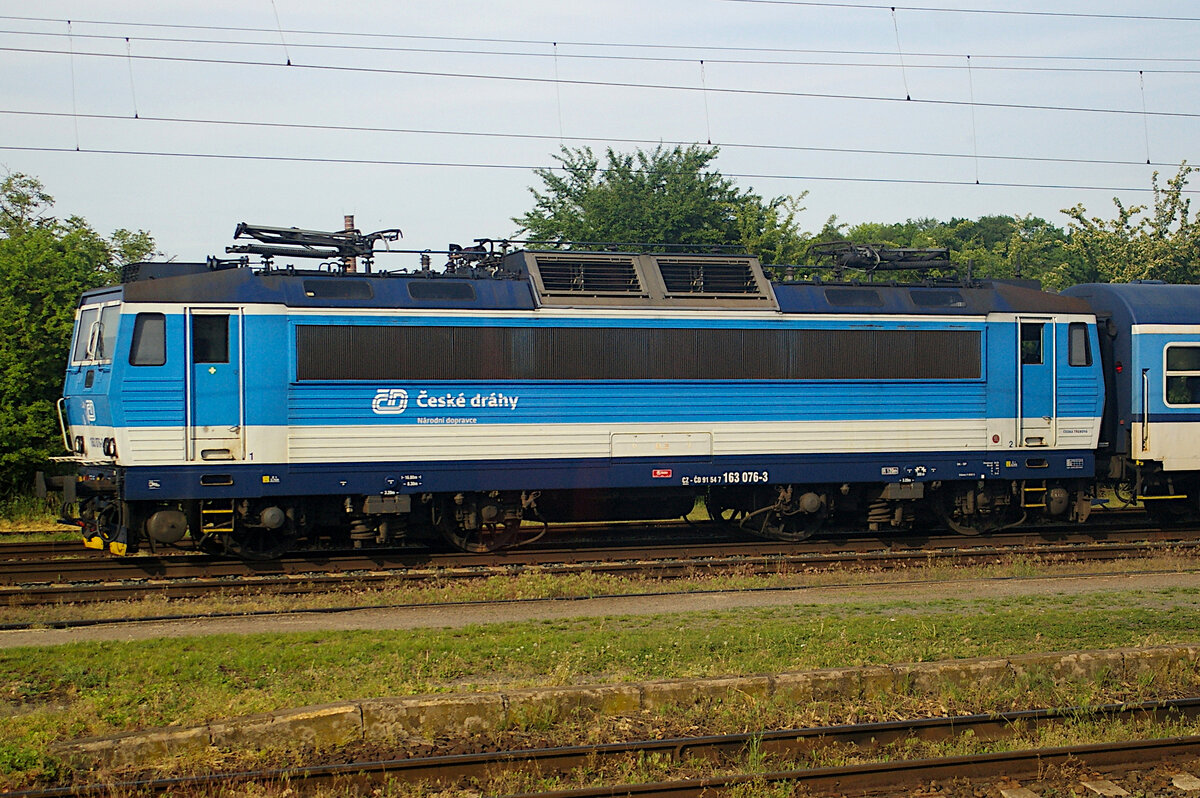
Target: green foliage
(665, 196)
(1141, 243)
(45, 263)
(675, 196)
(997, 246)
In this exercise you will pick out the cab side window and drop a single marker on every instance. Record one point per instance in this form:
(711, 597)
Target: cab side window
(149, 347)
(1079, 352)
(210, 339)
(1031, 343)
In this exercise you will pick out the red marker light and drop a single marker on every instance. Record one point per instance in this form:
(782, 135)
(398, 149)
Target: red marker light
(1118, 367)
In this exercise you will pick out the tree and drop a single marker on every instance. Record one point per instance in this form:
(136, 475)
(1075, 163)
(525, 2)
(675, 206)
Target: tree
(45, 264)
(664, 196)
(997, 246)
(1141, 243)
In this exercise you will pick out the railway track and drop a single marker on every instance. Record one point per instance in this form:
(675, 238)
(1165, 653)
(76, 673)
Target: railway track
(39, 550)
(726, 757)
(89, 579)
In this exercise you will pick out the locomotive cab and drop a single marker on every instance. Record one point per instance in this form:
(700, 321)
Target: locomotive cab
(89, 409)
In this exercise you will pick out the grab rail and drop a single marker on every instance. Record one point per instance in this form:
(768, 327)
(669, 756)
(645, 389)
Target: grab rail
(62, 425)
(1145, 410)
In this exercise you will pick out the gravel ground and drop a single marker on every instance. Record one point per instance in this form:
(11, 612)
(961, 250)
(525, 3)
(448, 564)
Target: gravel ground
(463, 615)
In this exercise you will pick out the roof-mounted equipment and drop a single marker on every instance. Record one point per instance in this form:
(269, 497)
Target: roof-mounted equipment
(292, 242)
(666, 280)
(842, 255)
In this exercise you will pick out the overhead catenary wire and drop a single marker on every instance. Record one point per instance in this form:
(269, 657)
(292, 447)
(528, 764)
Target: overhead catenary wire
(558, 94)
(1145, 121)
(557, 54)
(282, 40)
(565, 43)
(533, 167)
(71, 61)
(974, 132)
(345, 127)
(900, 55)
(132, 89)
(615, 84)
(1027, 63)
(952, 10)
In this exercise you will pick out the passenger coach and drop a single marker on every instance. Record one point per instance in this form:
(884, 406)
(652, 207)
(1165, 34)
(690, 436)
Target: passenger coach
(1151, 438)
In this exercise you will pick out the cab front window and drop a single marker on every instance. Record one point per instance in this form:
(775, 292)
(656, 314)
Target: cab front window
(96, 334)
(83, 333)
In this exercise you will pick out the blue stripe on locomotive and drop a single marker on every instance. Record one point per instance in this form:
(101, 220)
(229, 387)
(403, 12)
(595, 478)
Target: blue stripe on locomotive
(153, 396)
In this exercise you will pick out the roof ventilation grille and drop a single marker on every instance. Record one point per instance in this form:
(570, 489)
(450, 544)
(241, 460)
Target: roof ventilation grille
(588, 276)
(708, 276)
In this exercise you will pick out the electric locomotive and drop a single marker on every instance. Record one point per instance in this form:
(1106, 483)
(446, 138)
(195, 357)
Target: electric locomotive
(256, 409)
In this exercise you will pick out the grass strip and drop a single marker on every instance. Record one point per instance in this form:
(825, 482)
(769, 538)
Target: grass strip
(100, 688)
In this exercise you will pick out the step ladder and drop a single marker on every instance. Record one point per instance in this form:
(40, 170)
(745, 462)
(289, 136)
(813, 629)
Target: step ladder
(216, 517)
(1033, 495)
(1171, 493)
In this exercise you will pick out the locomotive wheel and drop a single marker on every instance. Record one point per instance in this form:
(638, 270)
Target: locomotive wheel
(774, 525)
(768, 522)
(964, 529)
(259, 544)
(984, 525)
(483, 539)
(725, 515)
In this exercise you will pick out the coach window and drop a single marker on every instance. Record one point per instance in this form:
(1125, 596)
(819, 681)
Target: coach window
(1079, 352)
(210, 339)
(1031, 343)
(149, 347)
(1183, 375)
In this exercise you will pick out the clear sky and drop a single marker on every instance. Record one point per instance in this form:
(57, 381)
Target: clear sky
(429, 115)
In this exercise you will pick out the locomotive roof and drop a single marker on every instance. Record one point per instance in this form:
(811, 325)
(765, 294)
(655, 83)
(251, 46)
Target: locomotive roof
(196, 283)
(974, 299)
(1142, 303)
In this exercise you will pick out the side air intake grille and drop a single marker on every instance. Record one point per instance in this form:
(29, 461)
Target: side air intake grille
(707, 277)
(591, 276)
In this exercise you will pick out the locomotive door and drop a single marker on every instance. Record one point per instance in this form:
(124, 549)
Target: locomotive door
(1036, 382)
(215, 408)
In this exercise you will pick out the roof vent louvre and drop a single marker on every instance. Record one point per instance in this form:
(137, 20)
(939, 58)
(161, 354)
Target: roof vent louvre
(565, 275)
(707, 277)
(627, 280)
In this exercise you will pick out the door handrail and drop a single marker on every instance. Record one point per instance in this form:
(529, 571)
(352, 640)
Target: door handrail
(1145, 410)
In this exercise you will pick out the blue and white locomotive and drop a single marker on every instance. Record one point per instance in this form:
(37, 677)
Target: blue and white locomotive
(255, 409)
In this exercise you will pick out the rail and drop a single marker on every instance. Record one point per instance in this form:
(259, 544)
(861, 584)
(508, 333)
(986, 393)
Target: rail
(789, 743)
